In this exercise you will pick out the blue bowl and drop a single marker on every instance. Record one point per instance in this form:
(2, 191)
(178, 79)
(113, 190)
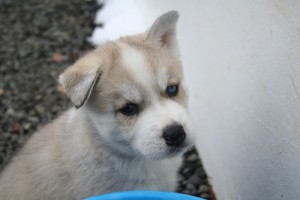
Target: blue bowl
(144, 195)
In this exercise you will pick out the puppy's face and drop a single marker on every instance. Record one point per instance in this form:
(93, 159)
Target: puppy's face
(135, 91)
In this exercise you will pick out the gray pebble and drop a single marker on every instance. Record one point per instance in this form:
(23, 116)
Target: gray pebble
(40, 109)
(203, 189)
(205, 196)
(10, 111)
(194, 179)
(27, 126)
(193, 157)
(190, 188)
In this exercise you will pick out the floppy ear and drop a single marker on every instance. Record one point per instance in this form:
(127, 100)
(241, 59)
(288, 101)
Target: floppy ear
(79, 79)
(163, 31)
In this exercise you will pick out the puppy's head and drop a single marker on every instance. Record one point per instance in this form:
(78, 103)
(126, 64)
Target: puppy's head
(134, 93)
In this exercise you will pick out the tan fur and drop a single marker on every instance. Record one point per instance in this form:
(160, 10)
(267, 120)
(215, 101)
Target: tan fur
(96, 149)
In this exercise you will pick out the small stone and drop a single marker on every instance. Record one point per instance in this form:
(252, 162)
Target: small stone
(27, 126)
(58, 57)
(180, 177)
(12, 85)
(10, 111)
(23, 52)
(186, 171)
(194, 179)
(38, 97)
(16, 127)
(203, 189)
(2, 91)
(184, 182)
(205, 196)
(192, 157)
(201, 173)
(33, 119)
(190, 186)
(40, 109)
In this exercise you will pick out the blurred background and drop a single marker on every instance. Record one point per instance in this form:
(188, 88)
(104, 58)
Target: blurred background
(242, 68)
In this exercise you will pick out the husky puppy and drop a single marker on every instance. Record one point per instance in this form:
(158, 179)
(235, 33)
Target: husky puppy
(127, 132)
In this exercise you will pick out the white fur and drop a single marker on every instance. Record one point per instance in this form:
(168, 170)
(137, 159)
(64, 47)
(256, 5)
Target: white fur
(135, 62)
(131, 93)
(162, 79)
(141, 172)
(150, 125)
(71, 115)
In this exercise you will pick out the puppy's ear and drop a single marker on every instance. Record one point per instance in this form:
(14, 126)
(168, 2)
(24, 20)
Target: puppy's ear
(79, 79)
(163, 32)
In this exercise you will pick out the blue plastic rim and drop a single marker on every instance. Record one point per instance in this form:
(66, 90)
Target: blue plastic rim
(144, 195)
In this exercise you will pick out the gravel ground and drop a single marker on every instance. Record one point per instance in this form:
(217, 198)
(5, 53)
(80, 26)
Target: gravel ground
(39, 39)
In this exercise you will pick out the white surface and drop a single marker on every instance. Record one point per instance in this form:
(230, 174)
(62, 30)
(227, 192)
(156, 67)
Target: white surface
(119, 18)
(242, 67)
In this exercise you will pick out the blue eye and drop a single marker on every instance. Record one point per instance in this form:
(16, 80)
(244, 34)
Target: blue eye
(172, 90)
(129, 109)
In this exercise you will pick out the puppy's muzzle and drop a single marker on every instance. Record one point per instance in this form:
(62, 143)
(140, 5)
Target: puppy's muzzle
(174, 135)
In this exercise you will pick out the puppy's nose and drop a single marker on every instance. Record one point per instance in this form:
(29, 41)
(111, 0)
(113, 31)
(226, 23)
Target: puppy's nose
(174, 135)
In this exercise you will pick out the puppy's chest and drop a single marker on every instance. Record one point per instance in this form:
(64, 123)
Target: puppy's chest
(159, 175)
(138, 175)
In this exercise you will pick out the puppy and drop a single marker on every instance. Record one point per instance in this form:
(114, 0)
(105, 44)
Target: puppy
(127, 132)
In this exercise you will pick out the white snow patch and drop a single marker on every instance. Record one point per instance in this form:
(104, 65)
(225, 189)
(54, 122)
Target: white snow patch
(119, 18)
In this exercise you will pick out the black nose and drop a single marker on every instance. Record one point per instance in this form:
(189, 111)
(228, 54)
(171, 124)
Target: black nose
(174, 135)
